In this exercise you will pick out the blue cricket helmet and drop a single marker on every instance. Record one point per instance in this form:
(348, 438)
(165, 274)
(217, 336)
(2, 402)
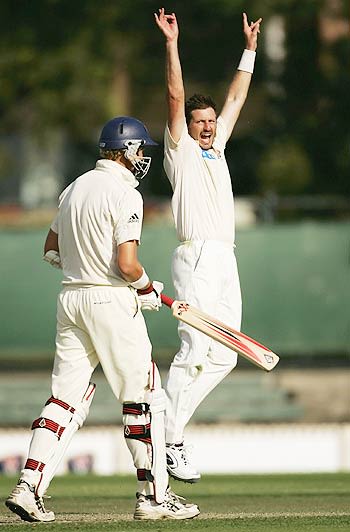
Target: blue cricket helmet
(118, 132)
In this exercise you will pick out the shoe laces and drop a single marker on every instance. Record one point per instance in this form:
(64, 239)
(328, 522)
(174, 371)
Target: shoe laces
(40, 504)
(23, 486)
(174, 499)
(185, 453)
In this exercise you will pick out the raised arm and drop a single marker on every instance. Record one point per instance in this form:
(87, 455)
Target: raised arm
(238, 89)
(175, 87)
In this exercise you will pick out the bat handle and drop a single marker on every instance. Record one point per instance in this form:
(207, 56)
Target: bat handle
(166, 300)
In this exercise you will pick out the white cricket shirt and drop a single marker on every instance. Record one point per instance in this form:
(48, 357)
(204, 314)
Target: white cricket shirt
(202, 202)
(98, 211)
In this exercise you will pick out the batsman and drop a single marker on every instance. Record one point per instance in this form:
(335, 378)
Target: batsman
(94, 239)
(204, 268)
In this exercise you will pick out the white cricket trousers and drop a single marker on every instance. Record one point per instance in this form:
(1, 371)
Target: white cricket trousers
(94, 325)
(205, 275)
(103, 325)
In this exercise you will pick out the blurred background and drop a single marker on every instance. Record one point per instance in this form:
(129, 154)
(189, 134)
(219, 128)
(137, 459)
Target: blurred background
(68, 67)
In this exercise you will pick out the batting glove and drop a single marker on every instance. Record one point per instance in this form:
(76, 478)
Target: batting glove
(53, 258)
(150, 297)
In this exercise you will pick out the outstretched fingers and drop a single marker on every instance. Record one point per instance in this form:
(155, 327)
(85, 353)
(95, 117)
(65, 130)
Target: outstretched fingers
(253, 26)
(163, 20)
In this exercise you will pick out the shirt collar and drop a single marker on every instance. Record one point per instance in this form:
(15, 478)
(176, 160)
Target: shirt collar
(118, 170)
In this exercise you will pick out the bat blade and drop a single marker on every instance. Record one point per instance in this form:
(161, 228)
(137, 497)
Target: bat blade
(247, 347)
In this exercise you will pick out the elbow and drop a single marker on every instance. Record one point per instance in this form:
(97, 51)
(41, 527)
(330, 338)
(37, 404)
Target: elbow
(128, 270)
(125, 269)
(176, 96)
(126, 261)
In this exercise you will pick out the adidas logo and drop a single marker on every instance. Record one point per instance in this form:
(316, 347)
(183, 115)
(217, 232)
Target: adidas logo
(133, 218)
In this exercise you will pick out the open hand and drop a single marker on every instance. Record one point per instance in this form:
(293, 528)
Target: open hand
(251, 32)
(167, 24)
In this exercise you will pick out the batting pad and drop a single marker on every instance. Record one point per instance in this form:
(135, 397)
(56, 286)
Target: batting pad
(78, 418)
(159, 469)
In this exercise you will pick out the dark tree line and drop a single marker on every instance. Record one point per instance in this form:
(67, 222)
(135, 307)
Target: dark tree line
(69, 66)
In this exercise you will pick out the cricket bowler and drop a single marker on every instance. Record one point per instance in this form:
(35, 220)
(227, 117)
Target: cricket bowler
(204, 268)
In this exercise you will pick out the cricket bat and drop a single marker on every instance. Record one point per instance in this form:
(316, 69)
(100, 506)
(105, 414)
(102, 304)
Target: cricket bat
(250, 349)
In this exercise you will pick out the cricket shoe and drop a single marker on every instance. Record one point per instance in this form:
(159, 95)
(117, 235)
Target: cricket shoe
(23, 502)
(178, 463)
(173, 507)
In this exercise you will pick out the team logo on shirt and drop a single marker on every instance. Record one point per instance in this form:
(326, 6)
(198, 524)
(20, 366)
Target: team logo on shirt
(208, 155)
(133, 218)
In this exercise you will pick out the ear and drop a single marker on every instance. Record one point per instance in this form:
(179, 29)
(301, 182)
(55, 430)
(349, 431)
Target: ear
(121, 159)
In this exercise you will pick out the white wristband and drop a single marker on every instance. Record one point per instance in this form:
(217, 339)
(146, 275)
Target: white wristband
(142, 282)
(247, 61)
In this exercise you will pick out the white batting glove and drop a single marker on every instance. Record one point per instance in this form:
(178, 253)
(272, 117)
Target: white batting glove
(150, 298)
(53, 258)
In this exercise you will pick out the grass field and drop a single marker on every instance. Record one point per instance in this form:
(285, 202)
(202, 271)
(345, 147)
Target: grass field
(254, 503)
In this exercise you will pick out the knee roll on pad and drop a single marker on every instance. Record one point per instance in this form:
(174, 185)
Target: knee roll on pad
(56, 413)
(54, 417)
(137, 422)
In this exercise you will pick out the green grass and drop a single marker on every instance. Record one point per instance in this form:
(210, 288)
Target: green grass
(252, 503)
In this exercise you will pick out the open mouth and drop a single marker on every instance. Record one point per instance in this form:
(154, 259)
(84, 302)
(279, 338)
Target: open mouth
(206, 139)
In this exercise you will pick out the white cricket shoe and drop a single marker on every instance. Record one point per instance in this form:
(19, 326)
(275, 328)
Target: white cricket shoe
(23, 502)
(173, 507)
(179, 465)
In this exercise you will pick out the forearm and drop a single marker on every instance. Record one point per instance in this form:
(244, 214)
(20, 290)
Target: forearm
(238, 90)
(129, 266)
(240, 83)
(174, 80)
(51, 242)
(239, 87)
(235, 99)
(131, 272)
(51, 250)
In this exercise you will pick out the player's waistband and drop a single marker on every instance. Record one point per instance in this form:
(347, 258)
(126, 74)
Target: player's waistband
(224, 243)
(76, 286)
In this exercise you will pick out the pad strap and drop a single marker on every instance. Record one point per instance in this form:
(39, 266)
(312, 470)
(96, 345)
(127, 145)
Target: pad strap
(58, 402)
(34, 465)
(135, 409)
(145, 475)
(44, 423)
(138, 432)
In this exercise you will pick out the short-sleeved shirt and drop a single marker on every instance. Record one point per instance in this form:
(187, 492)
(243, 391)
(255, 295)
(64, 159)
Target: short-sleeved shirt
(98, 211)
(202, 202)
